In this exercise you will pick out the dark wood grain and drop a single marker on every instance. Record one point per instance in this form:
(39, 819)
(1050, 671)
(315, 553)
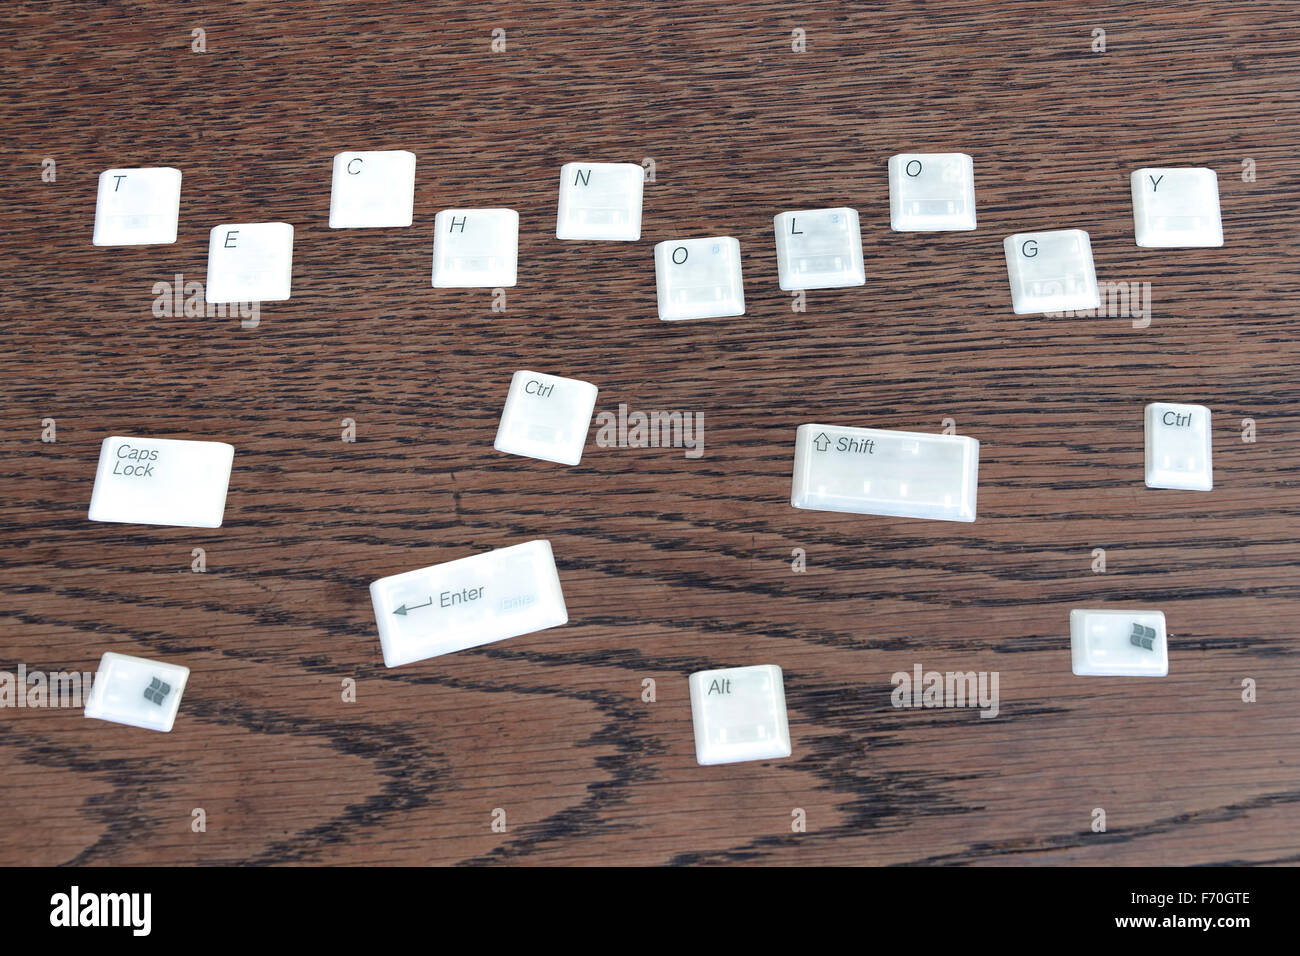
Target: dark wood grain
(668, 564)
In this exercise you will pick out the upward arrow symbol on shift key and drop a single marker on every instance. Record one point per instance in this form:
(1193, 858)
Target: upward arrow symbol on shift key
(822, 442)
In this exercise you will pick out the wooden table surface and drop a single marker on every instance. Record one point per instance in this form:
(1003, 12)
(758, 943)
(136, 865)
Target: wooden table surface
(668, 564)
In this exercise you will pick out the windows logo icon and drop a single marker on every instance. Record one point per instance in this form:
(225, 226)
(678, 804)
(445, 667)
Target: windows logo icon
(157, 691)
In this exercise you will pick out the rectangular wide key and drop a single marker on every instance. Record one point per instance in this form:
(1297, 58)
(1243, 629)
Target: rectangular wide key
(164, 481)
(877, 472)
(467, 602)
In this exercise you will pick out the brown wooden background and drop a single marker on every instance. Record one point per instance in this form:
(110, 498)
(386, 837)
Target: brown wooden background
(669, 565)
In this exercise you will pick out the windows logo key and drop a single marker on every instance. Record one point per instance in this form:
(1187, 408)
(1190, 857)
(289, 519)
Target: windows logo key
(1143, 637)
(157, 691)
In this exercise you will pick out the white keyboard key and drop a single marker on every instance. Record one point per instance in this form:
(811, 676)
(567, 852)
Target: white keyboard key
(372, 189)
(546, 417)
(475, 248)
(600, 201)
(1118, 643)
(467, 602)
(137, 691)
(739, 714)
(250, 262)
(818, 249)
(931, 192)
(1178, 447)
(1051, 271)
(1176, 207)
(137, 206)
(699, 278)
(163, 481)
(876, 472)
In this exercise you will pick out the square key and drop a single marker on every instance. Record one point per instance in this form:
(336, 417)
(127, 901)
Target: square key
(372, 189)
(1178, 447)
(600, 201)
(931, 192)
(137, 691)
(1118, 643)
(467, 602)
(818, 249)
(739, 714)
(137, 207)
(250, 262)
(475, 248)
(546, 417)
(699, 278)
(1176, 207)
(161, 481)
(1051, 271)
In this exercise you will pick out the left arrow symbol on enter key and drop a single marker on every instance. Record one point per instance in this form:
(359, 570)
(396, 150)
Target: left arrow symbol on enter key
(412, 607)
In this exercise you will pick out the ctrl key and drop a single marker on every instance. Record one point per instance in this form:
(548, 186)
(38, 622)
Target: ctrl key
(137, 691)
(739, 714)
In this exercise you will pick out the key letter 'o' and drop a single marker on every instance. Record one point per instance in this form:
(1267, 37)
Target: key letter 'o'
(682, 250)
